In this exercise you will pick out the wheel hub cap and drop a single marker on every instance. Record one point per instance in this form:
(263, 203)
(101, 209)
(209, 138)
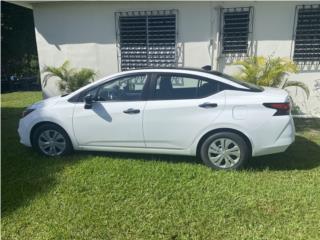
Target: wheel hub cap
(52, 143)
(224, 153)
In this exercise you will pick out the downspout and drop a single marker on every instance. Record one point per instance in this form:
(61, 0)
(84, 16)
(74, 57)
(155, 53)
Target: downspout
(212, 40)
(215, 36)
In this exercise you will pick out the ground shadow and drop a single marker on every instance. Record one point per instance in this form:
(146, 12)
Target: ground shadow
(24, 173)
(149, 157)
(307, 124)
(301, 155)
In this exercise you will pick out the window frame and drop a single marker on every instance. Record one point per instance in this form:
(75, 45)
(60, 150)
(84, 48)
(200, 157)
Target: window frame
(144, 95)
(156, 75)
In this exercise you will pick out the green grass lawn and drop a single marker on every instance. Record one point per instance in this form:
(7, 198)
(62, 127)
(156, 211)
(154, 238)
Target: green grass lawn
(130, 196)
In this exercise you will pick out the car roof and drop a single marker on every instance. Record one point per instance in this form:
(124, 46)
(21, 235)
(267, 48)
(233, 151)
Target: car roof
(201, 70)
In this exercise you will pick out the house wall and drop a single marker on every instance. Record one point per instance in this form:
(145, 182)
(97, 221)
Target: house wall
(84, 33)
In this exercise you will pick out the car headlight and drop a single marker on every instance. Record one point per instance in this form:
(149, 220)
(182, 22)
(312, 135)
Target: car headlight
(27, 111)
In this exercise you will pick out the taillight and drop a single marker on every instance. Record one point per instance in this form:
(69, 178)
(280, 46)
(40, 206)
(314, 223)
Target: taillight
(282, 108)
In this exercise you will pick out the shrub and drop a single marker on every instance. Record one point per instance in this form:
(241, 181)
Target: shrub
(269, 72)
(71, 79)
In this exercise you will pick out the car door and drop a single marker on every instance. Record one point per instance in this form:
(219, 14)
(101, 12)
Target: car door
(115, 118)
(182, 106)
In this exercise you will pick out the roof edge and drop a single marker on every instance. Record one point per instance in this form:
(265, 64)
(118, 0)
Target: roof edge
(26, 4)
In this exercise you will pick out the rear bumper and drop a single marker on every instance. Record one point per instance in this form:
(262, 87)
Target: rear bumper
(273, 149)
(281, 143)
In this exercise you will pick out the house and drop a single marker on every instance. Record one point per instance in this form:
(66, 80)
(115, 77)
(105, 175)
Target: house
(111, 36)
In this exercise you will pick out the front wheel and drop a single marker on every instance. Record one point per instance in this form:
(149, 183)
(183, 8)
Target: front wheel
(224, 150)
(51, 140)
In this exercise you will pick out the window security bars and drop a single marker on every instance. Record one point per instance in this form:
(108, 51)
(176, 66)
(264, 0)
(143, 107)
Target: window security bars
(146, 39)
(307, 34)
(236, 29)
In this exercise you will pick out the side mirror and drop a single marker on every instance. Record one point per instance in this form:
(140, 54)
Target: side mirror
(88, 99)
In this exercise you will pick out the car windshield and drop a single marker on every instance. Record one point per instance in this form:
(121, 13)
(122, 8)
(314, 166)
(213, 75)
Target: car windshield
(242, 83)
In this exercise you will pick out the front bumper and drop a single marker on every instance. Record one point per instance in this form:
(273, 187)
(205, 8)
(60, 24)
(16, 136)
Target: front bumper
(24, 133)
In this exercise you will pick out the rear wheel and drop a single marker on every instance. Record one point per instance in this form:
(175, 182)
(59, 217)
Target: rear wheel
(51, 140)
(224, 150)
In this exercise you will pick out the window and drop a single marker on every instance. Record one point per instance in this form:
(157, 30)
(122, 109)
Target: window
(236, 28)
(124, 89)
(176, 86)
(252, 87)
(307, 34)
(147, 39)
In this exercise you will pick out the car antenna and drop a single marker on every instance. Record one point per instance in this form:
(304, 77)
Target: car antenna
(206, 68)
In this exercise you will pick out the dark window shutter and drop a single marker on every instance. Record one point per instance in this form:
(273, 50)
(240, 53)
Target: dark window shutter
(147, 39)
(236, 29)
(307, 35)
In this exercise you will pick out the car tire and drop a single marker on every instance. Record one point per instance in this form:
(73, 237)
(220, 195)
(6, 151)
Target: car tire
(51, 140)
(224, 151)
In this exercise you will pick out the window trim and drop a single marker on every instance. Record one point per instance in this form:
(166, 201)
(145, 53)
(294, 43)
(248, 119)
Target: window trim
(145, 91)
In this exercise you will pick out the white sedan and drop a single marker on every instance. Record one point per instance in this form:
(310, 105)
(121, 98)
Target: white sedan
(167, 111)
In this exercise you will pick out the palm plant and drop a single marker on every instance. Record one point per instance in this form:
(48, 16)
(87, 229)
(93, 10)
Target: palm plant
(71, 79)
(269, 72)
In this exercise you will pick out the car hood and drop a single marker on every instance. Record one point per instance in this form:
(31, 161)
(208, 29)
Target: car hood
(45, 102)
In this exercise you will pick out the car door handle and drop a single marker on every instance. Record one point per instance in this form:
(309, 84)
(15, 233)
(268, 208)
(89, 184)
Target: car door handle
(131, 111)
(208, 105)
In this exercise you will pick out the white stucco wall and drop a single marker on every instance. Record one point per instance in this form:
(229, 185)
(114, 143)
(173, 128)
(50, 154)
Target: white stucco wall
(84, 33)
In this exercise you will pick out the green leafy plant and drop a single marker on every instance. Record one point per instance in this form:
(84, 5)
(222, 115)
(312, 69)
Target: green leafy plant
(269, 72)
(71, 79)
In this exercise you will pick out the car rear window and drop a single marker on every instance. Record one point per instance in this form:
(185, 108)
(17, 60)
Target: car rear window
(251, 86)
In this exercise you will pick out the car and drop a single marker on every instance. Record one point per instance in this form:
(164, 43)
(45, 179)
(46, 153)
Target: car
(176, 111)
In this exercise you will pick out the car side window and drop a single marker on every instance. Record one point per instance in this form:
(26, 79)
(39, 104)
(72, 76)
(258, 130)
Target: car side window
(176, 86)
(129, 88)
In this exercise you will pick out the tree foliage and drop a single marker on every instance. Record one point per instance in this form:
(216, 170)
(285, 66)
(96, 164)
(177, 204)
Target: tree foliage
(18, 44)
